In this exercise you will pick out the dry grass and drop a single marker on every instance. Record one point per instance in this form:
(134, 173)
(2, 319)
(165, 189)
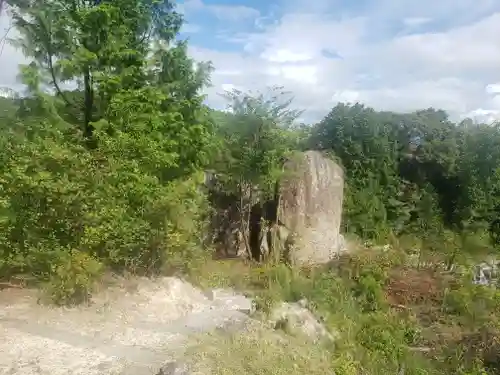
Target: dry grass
(409, 286)
(428, 317)
(222, 273)
(261, 351)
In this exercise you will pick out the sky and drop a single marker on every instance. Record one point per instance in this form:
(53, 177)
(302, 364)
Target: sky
(398, 55)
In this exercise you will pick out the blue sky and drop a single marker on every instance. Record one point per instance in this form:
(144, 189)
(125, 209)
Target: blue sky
(390, 54)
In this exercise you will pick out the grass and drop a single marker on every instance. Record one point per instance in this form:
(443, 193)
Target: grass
(389, 316)
(261, 351)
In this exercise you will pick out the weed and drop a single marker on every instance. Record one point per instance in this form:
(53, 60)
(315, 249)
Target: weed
(73, 279)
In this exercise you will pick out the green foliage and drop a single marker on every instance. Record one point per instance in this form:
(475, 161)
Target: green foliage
(108, 177)
(58, 194)
(457, 333)
(256, 140)
(472, 303)
(369, 291)
(108, 174)
(72, 278)
(371, 340)
(279, 283)
(7, 109)
(413, 173)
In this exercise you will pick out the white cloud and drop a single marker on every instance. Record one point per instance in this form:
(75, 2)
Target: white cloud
(468, 47)
(306, 35)
(285, 55)
(493, 88)
(307, 74)
(452, 12)
(450, 60)
(233, 13)
(447, 69)
(492, 103)
(346, 96)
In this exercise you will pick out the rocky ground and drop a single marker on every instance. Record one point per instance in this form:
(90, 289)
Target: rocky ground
(126, 330)
(141, 327)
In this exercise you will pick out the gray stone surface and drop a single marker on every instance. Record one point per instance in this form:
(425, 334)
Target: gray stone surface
(311, 207)
(232, 300)
(122, 332)
(174, 368)
(299, 319)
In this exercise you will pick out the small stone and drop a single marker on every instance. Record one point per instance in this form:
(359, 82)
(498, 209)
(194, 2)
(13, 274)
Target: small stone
(173, 368)
(303, 303)
(232, 301)
(299, 318)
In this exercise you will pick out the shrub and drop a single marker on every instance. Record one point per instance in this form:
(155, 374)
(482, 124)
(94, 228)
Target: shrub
(57, 195)
(73, 278)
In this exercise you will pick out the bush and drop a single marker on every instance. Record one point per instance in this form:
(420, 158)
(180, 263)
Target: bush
(59, 199)
(473, 304)
(73, 278)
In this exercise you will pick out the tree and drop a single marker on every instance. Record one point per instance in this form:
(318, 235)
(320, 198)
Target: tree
(368, 145)
(122, 188)
(256, 140)
(134, 79)
(413, 173)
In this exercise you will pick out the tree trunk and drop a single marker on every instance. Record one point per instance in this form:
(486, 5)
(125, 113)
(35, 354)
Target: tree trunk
(88, 104)
(243, 221)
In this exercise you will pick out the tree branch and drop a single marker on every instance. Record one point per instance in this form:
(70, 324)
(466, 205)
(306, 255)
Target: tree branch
(50, 54)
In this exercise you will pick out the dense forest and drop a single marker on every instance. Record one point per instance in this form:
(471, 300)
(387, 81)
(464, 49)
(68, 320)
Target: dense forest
(109, 175)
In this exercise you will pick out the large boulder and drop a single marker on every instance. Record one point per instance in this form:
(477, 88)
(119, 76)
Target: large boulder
(299, 225)
(310, 207)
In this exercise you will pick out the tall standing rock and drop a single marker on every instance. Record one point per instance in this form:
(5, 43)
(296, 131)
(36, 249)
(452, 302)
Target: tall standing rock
(310, 207)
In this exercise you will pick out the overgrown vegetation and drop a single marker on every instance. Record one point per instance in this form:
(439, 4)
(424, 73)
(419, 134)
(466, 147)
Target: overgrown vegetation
(110, 172)
(388, 317)
(109, 177)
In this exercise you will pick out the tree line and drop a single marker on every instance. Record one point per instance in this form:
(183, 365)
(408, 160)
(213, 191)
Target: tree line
(109, 174)
(417, 173)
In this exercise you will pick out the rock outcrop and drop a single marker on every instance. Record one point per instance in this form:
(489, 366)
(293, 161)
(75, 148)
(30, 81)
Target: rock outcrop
(300, 225)
(138, 326)
(297, 318)
(128, 329)
(310, 207)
